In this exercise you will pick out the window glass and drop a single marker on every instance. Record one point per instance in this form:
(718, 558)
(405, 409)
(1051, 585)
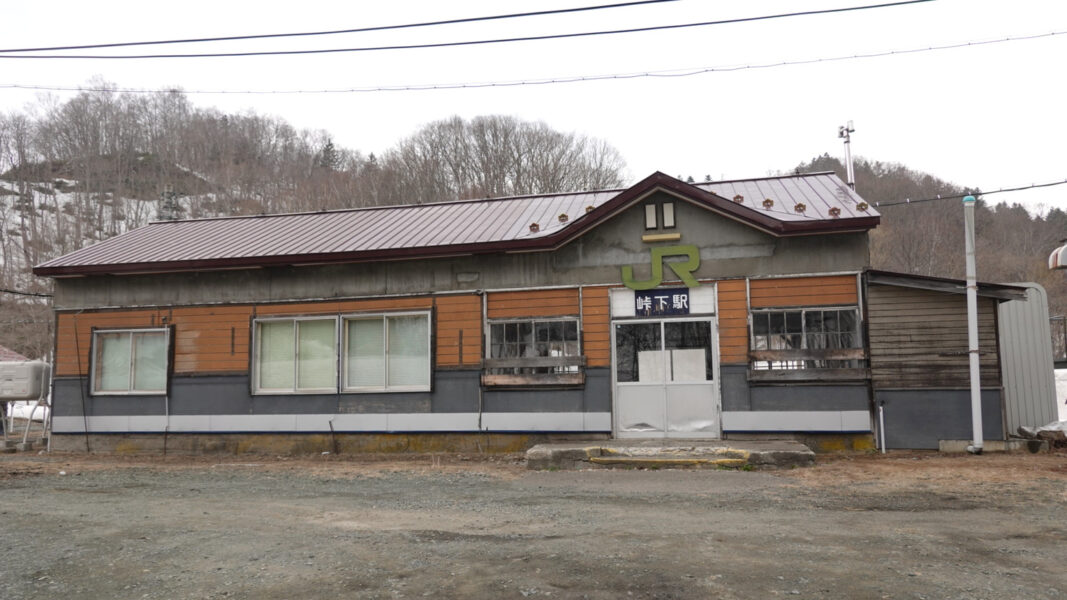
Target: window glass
(689, 345)
(668, 215)
(316, 354)
(638, 353)
(650, 216)
(130, 361)
(276, 360)
(534, 339)
(366, 353)
(149, 361)
(409, 351)
(113, 362)
(811, 329)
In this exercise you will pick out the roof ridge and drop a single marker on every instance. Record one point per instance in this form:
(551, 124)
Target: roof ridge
(391, 206)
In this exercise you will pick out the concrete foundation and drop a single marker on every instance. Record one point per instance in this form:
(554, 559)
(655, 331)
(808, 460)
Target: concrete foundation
(820, 443)
(297, 444)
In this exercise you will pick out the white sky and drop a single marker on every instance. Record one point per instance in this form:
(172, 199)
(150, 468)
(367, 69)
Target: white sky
(991, 116)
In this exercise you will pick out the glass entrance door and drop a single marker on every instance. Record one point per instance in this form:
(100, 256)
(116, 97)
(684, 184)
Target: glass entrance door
(665, 379)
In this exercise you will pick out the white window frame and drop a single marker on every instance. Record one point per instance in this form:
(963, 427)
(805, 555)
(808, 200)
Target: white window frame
(130, 391)
(803, 310)
(384, 318)
(295, 390)
(533, 323)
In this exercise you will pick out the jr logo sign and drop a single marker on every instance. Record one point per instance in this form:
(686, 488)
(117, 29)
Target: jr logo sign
(684, 270)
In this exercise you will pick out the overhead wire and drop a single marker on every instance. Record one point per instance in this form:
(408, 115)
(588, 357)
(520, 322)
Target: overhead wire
(975, 193)
(261, 36)
(22, 293)
(556, 80)
(532, 38)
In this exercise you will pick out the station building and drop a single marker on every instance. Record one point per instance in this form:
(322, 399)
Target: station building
(732, 309)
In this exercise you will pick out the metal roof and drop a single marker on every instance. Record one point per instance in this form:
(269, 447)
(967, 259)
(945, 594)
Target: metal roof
(441, 229)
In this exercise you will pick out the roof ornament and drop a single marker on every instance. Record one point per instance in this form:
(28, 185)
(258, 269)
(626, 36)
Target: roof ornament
(835, 212)
(800, 207)
(534, 228)
(739, 199)
(563, 218)
(767, 203)
(862, 206)
(590, 209)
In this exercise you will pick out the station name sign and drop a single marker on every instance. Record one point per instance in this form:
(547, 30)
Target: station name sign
(661, 302)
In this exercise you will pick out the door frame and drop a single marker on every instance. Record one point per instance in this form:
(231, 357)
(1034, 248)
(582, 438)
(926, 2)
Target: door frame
(713, 319)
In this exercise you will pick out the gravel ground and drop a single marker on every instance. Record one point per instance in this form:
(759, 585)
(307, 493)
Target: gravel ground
(906, 526)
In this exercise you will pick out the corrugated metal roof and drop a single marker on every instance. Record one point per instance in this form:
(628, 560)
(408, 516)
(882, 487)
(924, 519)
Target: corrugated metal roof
(468, 226)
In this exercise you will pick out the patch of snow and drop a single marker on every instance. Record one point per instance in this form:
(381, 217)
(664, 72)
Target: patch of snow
(1061, 393)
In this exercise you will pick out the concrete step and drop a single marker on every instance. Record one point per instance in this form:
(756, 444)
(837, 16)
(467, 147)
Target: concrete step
(668, 454)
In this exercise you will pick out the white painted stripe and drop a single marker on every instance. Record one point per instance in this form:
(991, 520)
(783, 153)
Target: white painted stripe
(342, 423)
(823, 420)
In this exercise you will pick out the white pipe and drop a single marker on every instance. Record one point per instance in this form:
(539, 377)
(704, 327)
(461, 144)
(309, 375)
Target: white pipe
(881, 425)
(972, 329)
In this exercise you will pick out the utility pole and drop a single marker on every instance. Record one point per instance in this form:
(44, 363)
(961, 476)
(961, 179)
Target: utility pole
(972, 328)
(844, 132)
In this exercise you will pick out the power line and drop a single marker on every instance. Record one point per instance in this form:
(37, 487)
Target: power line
(576, 79)
(976, 193)
(557, 36)
(21, 293)
(340, 31)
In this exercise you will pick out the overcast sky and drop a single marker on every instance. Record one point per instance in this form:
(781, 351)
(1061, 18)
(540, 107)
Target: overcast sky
(990, 116)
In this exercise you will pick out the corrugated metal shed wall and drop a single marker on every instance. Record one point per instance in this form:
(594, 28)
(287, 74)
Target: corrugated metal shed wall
(1026, 360)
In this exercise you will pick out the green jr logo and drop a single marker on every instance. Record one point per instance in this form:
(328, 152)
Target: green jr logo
(684, 270)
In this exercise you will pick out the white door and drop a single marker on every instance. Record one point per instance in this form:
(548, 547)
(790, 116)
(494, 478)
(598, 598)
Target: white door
(664, 372)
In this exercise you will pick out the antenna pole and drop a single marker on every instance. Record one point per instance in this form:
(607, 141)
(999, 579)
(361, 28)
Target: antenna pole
(844, 132)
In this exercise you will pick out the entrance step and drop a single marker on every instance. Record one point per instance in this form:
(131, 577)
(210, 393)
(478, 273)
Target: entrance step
(669, 454)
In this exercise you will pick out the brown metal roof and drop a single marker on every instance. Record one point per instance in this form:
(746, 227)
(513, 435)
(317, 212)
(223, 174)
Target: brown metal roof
(474, 226)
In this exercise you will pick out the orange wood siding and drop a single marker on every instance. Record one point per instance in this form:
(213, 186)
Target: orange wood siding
(832, 290)
(211, 339)
(345, 306)
(533, 303)
(596, 326)
(459, 317)
(733, 322)
(72, 351)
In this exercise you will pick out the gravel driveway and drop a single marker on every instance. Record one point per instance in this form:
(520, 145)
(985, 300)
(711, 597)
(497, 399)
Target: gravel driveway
(907, 526)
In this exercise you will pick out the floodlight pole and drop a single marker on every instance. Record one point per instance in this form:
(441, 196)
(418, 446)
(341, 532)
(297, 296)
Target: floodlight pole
(972, 328)
(844, 132)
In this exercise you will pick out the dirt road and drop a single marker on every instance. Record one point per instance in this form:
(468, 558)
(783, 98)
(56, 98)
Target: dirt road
(909, 526)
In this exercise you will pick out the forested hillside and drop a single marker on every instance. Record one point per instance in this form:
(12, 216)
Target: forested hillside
(76, 172)
(926, 238)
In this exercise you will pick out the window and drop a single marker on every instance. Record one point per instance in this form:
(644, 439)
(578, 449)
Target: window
(816, 338)
(524, 340)
(387, 353)
(296, 355)
(130, 361)
(652, 211)
(378, 353)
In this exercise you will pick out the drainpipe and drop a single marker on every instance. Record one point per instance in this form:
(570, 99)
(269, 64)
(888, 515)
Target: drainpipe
(972, 329)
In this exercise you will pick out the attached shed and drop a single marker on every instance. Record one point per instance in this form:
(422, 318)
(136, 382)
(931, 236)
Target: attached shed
(919, 360)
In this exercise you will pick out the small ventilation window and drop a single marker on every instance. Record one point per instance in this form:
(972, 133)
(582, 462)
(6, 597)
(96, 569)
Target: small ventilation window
(650, 216)
(668, 215)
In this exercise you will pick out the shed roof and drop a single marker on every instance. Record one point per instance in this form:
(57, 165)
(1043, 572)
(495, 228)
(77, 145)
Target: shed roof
(787, 205)
(9, 355)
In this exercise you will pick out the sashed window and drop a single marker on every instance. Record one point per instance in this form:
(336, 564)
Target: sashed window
(132, 361)
(535, 339)
(296, 355)
(387, 353)
(810, 338)
(534, 352)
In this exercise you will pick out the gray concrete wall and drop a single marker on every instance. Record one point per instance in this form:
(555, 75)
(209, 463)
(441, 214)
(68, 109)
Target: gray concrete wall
(921, 418)
(739, 395)
(727, 249)
(454, 392)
